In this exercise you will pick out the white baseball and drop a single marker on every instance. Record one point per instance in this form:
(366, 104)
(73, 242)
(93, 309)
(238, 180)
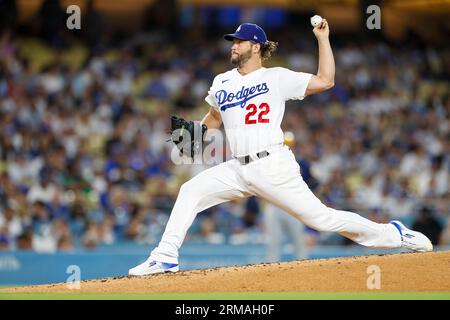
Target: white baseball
(316, 20)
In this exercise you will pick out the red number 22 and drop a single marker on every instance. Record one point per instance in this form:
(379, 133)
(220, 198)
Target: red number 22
(264, 107)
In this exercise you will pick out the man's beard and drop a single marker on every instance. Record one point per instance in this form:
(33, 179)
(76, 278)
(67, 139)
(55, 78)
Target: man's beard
(241, 59)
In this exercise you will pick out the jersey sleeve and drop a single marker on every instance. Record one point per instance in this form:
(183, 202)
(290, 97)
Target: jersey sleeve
(292, 84)
(211, 97)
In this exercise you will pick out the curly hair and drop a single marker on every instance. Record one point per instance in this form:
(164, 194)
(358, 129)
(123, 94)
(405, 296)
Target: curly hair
(267, 49)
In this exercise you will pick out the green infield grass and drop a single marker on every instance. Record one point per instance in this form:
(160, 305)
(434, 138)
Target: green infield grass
(232, 296)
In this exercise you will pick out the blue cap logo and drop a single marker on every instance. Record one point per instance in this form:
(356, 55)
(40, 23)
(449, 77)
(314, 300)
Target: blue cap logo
(249, 32)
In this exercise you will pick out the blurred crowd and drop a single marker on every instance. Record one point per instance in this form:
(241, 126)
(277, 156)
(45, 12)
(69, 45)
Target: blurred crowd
(84, 157)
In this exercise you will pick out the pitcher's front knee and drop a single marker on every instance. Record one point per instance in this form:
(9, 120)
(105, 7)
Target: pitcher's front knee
(192, 189)
(187, 189)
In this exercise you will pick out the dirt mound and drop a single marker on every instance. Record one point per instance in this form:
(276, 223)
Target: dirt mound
(398, 272)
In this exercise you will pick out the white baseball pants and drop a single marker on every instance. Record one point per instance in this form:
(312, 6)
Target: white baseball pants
(277, 179)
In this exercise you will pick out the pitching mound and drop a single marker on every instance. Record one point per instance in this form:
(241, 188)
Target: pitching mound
(398, 272)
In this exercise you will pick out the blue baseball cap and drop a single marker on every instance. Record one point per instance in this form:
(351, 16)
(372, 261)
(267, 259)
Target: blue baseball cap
(248, 31)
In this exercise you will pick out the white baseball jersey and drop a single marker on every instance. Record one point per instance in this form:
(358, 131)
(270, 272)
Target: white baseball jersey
(252, 105)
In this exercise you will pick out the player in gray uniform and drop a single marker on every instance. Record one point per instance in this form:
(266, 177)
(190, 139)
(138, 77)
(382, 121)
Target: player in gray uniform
(281, 226)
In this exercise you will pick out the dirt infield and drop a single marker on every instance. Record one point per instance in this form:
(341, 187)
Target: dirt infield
(399, 272)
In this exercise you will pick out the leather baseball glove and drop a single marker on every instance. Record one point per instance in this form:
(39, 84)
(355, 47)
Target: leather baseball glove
(187, 135)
